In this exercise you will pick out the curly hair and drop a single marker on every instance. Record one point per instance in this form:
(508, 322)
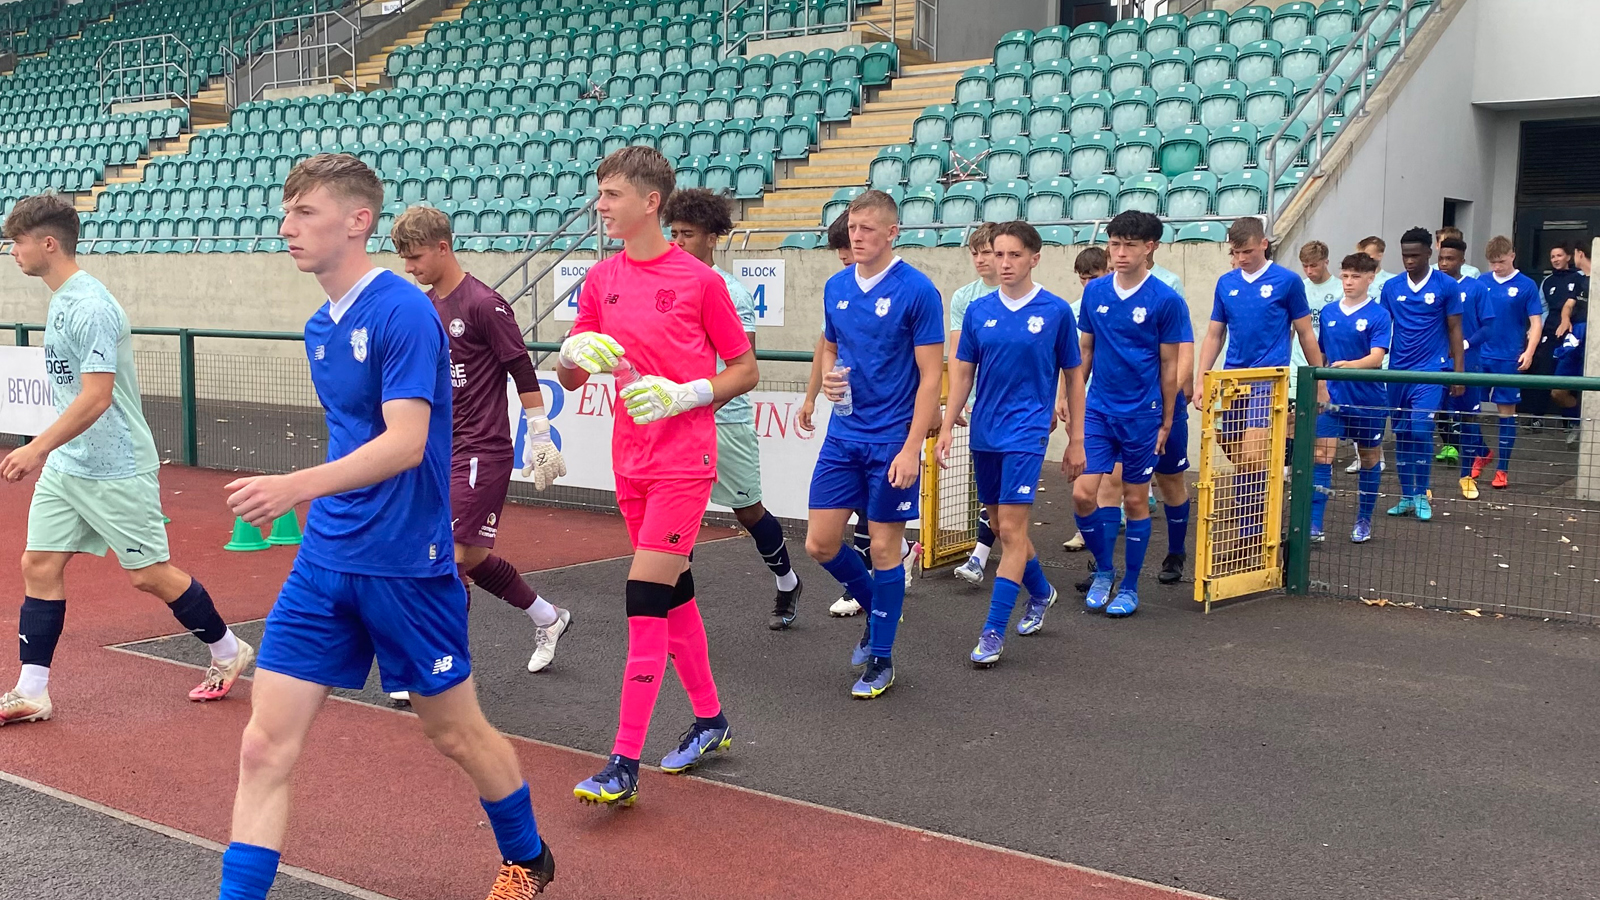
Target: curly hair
(699, 207)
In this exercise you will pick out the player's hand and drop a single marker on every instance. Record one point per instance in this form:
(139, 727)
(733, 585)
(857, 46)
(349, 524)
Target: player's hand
(963, 416)
(653, 398)
(941, 450)
(1161, 438)
(1063, 409)
(1525, 361)
(1323, 397)
(1073, 461)
(22, 462)
(592, 352)
(834, 384)
(1563, 328)
(262, 498)
(1457, 390)
(904, 468)
(1199, 402)
(540, 458)
(803, 420)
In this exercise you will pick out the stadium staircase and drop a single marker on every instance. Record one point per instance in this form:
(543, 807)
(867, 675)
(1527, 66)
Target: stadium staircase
(369, 74)
(843, 159)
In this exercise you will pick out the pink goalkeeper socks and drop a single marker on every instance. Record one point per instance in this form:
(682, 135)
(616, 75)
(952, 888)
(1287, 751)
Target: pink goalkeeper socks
(641, 681)
(686, 638)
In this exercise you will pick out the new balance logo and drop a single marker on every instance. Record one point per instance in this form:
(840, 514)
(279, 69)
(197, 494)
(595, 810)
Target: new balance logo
(1024, 490)
(903, 507)
(990, 323)
(644, 679)
(673, 537)
(443, 664)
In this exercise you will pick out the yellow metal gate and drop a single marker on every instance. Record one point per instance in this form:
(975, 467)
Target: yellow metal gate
(1244, 428)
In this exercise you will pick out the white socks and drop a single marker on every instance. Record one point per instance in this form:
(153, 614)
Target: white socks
(788, 581)
(226, 650)
(31, 683)
(542, 613)
(981, 554)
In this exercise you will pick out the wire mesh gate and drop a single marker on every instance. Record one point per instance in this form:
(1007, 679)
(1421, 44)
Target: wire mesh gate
(1244, 424)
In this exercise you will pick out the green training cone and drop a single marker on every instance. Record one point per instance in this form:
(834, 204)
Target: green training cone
(285, 530)
(246, 537)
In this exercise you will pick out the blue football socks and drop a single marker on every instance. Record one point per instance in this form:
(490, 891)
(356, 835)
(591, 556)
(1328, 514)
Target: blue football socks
(888, 599)
(1508, 439)
(1138, 543)
(514, 828)
(1002, 600)
(1321, 487)
(1367, 491)
(247, 872)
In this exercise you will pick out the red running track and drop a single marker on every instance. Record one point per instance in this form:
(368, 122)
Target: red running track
(374, 806)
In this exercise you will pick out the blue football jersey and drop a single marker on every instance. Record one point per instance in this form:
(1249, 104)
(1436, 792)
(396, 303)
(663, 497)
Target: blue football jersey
(1125, 379)
(1511, 303)
(1347, 336)
(1019, 355)
(1421, 341)
(877, 333)
(1474, 313)
(1258, 314)
(387, 345)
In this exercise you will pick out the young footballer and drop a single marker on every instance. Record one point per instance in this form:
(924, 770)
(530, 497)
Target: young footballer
(883, 322)
(1569, 354)
(1475, 319)
(1170, 482)
(375, 576)
(1016, 343)
(98, 486)
(1513, 336)
(669, 317)
(1425, 306)
(1256, 307)
(1354, 333)
(1373, 246)
(486, 348)
(980, 243)
(1131, 328)
(697, 217)
(1449, 233)
(1089, 264)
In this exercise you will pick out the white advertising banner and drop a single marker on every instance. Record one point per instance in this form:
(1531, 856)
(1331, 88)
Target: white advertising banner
(26, 405)
(763, 278)
(581, 421)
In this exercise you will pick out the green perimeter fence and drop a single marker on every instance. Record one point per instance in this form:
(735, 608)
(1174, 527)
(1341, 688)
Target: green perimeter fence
(243, 400)
(1530, 548)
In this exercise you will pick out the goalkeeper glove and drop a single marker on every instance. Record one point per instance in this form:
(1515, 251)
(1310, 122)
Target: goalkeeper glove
(590, 351)
(653, 398)
(540, 458)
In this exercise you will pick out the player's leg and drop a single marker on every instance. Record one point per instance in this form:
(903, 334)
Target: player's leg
(847, 605)
(767, 532)
(838, 490)
(1330, 427)
(738, 487)
(1505, 400)
(889, 508)
(1365, 429)
(1426, 401)
(1173, 485)
(971, 571)
(1097, 523)
(191, 605)
(1251, 458)
(1012, 522)
(39, 627)
(454, 722)
(1138, 467)
(1399, 414)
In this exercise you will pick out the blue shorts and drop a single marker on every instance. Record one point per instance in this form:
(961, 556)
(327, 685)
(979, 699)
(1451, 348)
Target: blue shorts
(1254, 411)
(327, 626)
(1176, 457)
(1508, 395)
(1364, 426)
(1570, 365)
(854, 475)
(1467, 403)
(1006, 477)
(1407, 398)
(1132, 442)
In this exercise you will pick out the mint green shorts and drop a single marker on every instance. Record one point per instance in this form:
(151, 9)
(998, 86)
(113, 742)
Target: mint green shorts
(738, 466)
(89, 515)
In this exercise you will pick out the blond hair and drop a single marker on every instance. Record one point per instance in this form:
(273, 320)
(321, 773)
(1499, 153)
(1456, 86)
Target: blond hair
(420, 227)
(343, 176)
(1498, 247)
(644, 168)
(879, 201)
(1313, 252)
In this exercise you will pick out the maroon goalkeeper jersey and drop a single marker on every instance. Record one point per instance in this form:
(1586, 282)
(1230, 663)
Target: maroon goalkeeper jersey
(484, 337)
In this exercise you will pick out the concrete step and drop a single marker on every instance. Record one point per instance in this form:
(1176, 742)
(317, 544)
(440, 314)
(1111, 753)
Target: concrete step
(831, 182)
(939, 68)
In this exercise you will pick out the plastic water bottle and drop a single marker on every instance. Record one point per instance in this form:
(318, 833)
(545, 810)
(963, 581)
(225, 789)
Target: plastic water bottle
(624, 374)
(843, 406)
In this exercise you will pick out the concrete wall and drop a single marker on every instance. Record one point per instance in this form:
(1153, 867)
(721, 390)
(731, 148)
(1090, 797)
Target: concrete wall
(968, 29)
(1536, 52)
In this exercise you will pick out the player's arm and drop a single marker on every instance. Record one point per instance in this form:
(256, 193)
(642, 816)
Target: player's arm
(1064, 409)
(1186, 368)
(1169, 393)
(397, 448)
(1526, 359)
(587, 350)
(1566, 317)
(813, 387)
(1073, 383)
(718, 404)
(1216, 333)
(93, 399)
(961, 377)
(1373, 360)
(1312, 349)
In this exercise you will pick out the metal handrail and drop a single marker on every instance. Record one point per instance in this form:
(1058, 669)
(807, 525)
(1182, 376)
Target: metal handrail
(729, 29)
(746, 233)
(1326, 110)
(530, 285)
(308, 42)
(183, 65)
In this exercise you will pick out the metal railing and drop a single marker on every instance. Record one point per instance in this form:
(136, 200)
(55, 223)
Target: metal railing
(319, 48)
(529, 280)
(924, 24)
(739, 237)
(125, 69)
(1370, 47)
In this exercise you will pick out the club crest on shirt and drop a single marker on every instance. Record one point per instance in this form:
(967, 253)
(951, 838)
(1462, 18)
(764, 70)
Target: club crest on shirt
(1428, 298)
(665, 299)
(1035, 324)
(1361, 324)
(457, 328)
(882, 307)
(320, 352)
(1511, 292)
(1266, 291)
(1138, 315)
(358, 344)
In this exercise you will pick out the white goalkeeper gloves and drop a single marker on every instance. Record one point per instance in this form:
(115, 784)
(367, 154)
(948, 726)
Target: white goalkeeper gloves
(540, 458)
(590, 351)
(653, 398)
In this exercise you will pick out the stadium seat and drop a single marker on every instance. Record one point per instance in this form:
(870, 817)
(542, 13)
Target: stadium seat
(806, 240)
(1091, 155)
(1257, 61)
(1012, 47)
(962, 203)
(837, 203)
(928, 163)
(1222, 105)
(1088, 74)
(1170, 68)
(1009, 118)
(1165, 33)
(1337, 18)
(969, 159)
(1094, 198)
(1006, 158)
(1183, 150)
(1206, 29)
(1202, 233)
(1176, 107)
(1145, 193)
(1086, 40)
(1214, 65)
(1055, 235)
(1291, 22)
(1231, 148)
(971, 121)
(1248, 25)
(1242, 193)
(1132, 108)
(1091, 234)
(1125, 36)
(1048, 116)
(1191, 195)
(1090, 112)
(1047, 200)
(889, 166)
(1128, 70)
(1011, 81)
(933, 124)
(1048, 158)
(917, 237)
(952, 237)
(1267, 101)
(975, 84)
(1003, 202)
(1048, 44)
(1304, 58)
(1135, 152)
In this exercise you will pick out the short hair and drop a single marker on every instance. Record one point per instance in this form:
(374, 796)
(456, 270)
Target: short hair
(420, 227)
(839, 232)
(50, 213)
(1454, 243)
(1372, 240)
(879, 201)
(982, 236)
(1446, 233)
(1563, 246)
(1091, 261)
(343, 176)
(1313, 252)
(1246, 229)
(643, 167)
(1022, 231)
(1135, 226)
(1358, 262)
(1418, 235)
(699, 207)
(1580, 247)
(1498, 247)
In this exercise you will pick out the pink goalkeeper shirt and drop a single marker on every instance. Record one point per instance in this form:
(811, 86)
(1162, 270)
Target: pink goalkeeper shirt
(673, 316)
